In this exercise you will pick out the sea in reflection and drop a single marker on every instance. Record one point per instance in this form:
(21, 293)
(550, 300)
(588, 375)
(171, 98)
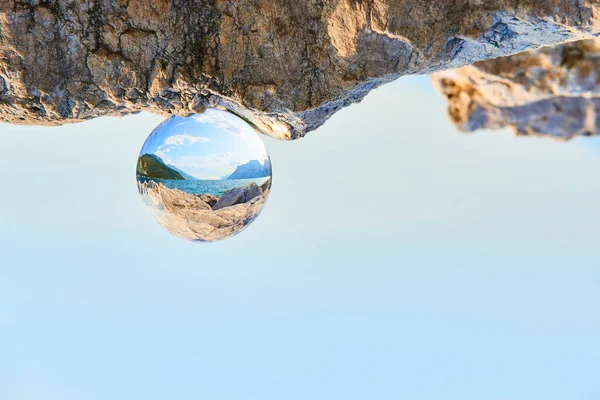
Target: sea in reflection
(199, 187)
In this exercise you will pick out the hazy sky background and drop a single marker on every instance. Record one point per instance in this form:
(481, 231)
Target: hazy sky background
(395, 259)
(207, 146)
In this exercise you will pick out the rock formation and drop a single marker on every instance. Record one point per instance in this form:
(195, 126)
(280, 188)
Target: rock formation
(238, 195)
(192, 217)
(283, 65)
(209, 199)
(551, 92)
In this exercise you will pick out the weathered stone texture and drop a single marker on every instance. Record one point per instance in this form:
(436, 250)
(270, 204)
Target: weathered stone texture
(283, 65)
(553, 92)
(190, 218)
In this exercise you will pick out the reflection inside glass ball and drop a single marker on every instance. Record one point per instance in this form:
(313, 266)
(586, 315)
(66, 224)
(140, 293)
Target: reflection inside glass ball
(206, 177)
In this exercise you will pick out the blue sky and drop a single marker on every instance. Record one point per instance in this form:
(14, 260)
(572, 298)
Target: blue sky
(206, 146)
(395, 259)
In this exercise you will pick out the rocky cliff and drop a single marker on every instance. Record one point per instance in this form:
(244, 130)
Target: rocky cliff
(283, 65)
(152, 166)
(252, 169)
(552, 92)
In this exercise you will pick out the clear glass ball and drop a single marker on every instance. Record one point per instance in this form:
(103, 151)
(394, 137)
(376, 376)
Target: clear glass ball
(205, 177)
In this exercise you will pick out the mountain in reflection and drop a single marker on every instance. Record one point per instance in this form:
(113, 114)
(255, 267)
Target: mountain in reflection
(152, 166)
(252, 169)
(187, 176)
(552, 92)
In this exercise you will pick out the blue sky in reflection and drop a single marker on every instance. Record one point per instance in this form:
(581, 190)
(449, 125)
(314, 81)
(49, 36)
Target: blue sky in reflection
(206, 146)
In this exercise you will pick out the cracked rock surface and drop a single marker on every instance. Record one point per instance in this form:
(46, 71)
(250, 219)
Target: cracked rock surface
(552, 92)
(283, 65)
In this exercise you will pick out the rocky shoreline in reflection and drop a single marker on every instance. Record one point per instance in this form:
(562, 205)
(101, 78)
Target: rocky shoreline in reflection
(204, 217)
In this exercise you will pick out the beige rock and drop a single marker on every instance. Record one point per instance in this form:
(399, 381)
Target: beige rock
(552, 92)
(209, 199)
(266, 185)
(284, 65)
(238, 195)
(189, 217)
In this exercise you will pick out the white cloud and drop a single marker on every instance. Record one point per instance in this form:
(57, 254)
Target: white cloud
(222, 120)
(226, 162)
(236, 126)
(162, 155)
(184, 138)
